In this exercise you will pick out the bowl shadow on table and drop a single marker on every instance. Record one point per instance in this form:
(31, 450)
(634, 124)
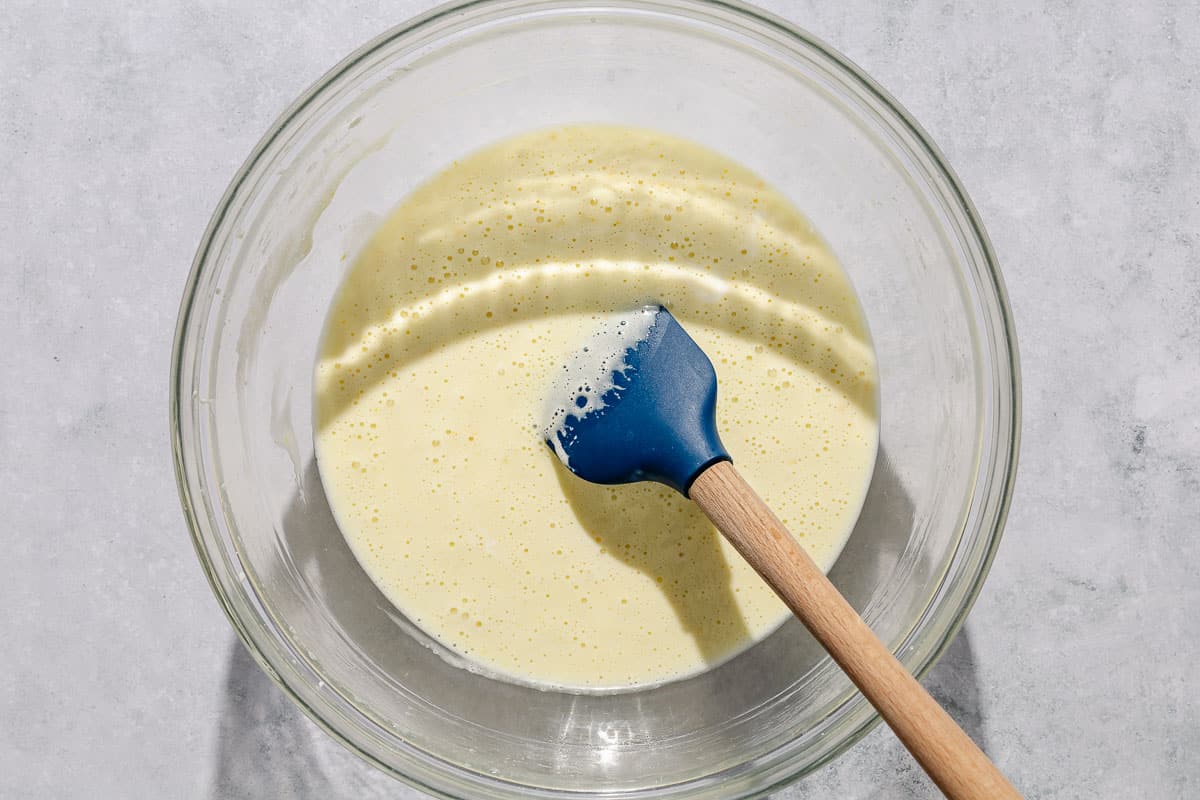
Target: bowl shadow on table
(267, 748)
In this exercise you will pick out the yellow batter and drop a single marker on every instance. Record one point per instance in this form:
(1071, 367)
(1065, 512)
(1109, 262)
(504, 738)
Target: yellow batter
(440, 346)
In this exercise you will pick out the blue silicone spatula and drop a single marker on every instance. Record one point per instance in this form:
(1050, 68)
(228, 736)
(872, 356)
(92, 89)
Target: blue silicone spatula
(650, 415)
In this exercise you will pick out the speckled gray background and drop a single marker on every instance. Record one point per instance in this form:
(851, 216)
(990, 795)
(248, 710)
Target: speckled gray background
(1074, 125)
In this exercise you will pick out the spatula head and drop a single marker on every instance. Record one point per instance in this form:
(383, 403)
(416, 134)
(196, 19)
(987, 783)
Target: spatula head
(656, 423)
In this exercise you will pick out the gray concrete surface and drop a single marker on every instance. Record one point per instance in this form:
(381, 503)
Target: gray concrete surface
(1075, 126)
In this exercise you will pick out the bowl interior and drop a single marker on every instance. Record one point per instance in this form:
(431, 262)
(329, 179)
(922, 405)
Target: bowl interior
(394, 114)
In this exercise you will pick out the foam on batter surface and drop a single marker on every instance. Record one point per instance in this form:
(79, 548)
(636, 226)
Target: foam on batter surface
(465, 305)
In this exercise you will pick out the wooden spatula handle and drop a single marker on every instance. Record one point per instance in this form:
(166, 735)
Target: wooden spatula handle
(947, 754)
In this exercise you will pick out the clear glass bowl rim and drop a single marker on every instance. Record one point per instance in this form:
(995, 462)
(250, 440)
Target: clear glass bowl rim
(754, 778)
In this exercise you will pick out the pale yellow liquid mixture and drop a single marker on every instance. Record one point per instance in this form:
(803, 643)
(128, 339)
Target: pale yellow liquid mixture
(440, 346)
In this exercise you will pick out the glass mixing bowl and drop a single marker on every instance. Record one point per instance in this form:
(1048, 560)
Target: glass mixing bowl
(741, 82)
